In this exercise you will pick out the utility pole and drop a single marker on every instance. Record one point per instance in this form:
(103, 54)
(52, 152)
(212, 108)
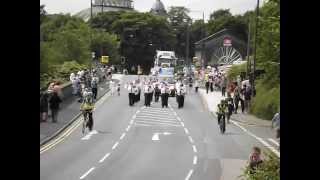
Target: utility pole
(202, 43)
(255, 45)
(248, 50)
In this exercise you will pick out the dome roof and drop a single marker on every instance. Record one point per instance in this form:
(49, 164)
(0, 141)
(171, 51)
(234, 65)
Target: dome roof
(158, 8)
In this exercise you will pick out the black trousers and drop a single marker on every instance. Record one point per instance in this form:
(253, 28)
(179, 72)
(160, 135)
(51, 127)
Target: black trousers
(180, 101)
(54, 115)
(131, 99)
(164, 99)
(223, 90)
(207, 86)
(196, 89)
(211, 87)
(94, 93)
(156, 96)
(242, 105)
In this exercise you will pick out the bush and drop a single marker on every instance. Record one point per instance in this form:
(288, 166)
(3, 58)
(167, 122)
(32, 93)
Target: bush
(236, 70)
(268, 170)
(267, 101)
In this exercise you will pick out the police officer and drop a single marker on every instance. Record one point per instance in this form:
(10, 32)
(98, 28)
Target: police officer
(180, 94)
(163, 95)
(136, 93)
(146, 98)
(131, 94)
(150, 94)
(157, 93)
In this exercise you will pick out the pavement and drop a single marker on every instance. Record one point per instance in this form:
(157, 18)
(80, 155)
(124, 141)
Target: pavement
(144, 143)
(256, 127)
(69, 110)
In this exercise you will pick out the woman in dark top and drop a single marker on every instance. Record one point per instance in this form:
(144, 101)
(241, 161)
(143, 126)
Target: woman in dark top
(54, 106)
(44, 106)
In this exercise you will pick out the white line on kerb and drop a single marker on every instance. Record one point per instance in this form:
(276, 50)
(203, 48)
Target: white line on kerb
(191, 140)
(195, 158)
(258, 138)
(115, 145)
(104, 157)
(122, 136)
(194, 148)
(189, 174)
(86, 174)
(186, 130)
(273, 141)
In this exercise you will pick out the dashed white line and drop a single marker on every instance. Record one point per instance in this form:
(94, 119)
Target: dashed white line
(191, 140)
(175, 113)
(273, 141)
(195, 159)
(182, 124)
(189, 174)
(104, 157)
(178, 118)
(86, 174)
(122, 136)
(186, 130)
(194, 148)
(131, 121)
(128, 128)
(115, 145)
(137, 111)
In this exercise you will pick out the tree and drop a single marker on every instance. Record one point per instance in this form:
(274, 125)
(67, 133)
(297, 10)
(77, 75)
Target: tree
(43, 13)
(105, 20)
(179, 20)
(220, 13)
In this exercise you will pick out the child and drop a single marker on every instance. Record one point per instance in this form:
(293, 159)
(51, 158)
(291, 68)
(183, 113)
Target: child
(118, 89)
(255, 158)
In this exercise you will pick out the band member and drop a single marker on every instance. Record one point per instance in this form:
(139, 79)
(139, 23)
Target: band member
(157, 92)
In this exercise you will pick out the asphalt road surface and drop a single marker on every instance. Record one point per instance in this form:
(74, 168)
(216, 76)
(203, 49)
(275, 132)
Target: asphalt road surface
(148, 143)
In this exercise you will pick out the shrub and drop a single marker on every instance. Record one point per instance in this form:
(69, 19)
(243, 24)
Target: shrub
(236, 70)
(267, 101)
(268, 170)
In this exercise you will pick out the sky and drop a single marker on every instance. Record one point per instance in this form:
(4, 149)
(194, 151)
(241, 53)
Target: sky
(206, 6)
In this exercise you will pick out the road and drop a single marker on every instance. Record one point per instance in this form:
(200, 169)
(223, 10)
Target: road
(137, 143)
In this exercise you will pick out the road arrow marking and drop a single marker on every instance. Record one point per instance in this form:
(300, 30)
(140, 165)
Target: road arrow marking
(155, 137)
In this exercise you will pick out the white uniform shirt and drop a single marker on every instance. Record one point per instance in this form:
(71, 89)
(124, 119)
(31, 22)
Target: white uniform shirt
(130, 89)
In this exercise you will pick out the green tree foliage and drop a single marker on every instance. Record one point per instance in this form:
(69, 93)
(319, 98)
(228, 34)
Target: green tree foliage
(179, 20)
(105, 20)
(223, 19)
(269, 169)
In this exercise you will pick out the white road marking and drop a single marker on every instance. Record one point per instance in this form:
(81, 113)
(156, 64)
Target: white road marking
(122, 136)
(131, 121)
(128, 128)
(115, 145)
(155, 137)
(195, 159)
(179, 118)
(166, 133)
(186, 130)
(158, 123)
(158, 120)
(274, 141)
(86, 174)
(155, 117)
(104, 157)
(134, 116)
(137, 111)
(194, 148)
(189, 174)
(258, 138)
(175, 114)
(191, 140)
(182, 124)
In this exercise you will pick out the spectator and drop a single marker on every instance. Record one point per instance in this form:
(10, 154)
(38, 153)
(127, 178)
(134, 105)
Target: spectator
(223, 86)
(94, 86)
(247, 97)
(44, 107)
(242, 93)
(54, 106)
(255, 159)
(276, 124)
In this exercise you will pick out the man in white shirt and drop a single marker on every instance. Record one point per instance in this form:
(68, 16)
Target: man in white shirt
(112, 88)
(180, 94)
(131, 94)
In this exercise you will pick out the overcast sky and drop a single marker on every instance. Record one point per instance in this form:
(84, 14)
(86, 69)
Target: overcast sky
(208, 6)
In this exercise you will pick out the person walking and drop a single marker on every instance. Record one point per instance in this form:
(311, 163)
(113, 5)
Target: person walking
(242, 97)
(223, 86)
(44, 106)
(230, 108)
(94, 87)
(157, 93)
(196, 85)
(180, 94)
(111, 84)
(211, 83)
(54, 103)
(131, 94)
(236, 98)
(118, 89)
(276, 124)
(146, 98)
(247, 97)
(207, 86)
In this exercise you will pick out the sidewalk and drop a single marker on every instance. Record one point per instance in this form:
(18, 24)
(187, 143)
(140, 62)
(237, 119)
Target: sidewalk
(69, 110)
(212, 99)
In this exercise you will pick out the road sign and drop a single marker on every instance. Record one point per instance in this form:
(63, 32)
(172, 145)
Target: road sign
(104, 59)
(227, 41)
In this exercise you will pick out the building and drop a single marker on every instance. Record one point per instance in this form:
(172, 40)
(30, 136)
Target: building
(105, 6)
(158, 9)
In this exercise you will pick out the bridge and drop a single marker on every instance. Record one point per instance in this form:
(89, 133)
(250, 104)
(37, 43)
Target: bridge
(223, 47)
